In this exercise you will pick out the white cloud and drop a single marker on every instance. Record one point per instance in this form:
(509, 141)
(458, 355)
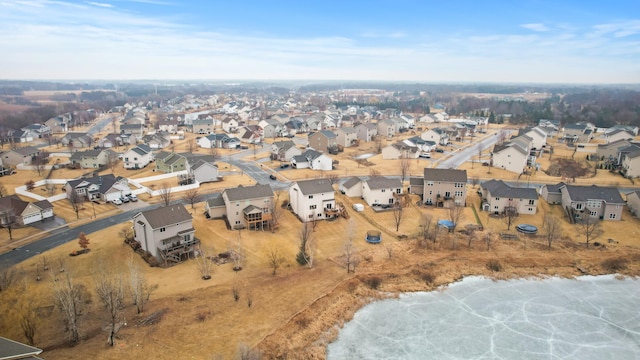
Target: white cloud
(535, 27)
(104, 5)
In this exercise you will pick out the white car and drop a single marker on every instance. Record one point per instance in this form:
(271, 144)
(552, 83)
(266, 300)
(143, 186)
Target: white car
(117, 201)
(425, 155)
(133, 197)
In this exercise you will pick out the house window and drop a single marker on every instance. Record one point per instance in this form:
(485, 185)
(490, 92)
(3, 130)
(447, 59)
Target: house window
(237, 222)
(310, 216)
(497, 199)
(459, 185)
(163, 229)
(312, 207)
(447, 194)
(458, 193)
(383, 190)
(612, 216)
(398, 191)
(429, 183)
(496, 207)
(594, 204)
(310, 196)
(593, 213)
(319, 214)
(578, 206)
(430, 192)
(530, 209)
(532, 202)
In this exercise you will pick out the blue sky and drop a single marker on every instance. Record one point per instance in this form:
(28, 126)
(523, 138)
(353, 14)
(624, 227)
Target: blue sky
(403, 40)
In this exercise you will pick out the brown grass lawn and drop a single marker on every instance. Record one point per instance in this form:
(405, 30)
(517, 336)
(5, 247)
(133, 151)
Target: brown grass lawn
(294, 313)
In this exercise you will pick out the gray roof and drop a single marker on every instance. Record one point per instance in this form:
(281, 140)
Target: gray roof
(27, 150)
(216, 201)
(347, 130)
(10, 349)
(284, 145)
(105, 182)
(307, 156)
(316, 186)
(249, 192)
(445, 175)
(166, 215)
(500, 189)
(416, 181)
(328, 133)
(554, 188)
(381, 182)
(583, 193)
(351, 182)
(142, 149)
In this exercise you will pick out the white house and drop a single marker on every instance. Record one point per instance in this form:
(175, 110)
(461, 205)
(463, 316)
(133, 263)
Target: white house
(438, 135)
(512, 155)
(538, 137)
(137, 157)
(167, 232)
(400, 150)
(312, 199)
(352, 187)
(381, 190)
(284, 150)
(346, 136)
(220, 141)
(23, 212)
(386, 128)
(230, 125)
(203, 171)
(313, 160)
(366, 132)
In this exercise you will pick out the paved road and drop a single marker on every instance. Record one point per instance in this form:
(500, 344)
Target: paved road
(100, 124)
(463, 154)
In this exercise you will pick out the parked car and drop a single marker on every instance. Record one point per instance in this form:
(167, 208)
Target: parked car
(425, 155)
(133, 197)
(272, 177)
(439, 150)
(243, 147)
(124, 199)
(284, 166)
(117, 202)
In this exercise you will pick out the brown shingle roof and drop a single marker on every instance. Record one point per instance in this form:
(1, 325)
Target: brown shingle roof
(446, 175)
(248, 192)
(167, 215)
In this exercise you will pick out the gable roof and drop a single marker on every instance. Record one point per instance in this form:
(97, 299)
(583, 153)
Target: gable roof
(594, 192)
(104, 182)
(554, 188)
(416, 180)
(10, 349)
(315, 186)
(501, 189)
(284, 145)
(351, 182)
(216, 201)
(381, 182)
(248, 192)
(166, 215)
(27, 150)
(445, 175)
(13, 202)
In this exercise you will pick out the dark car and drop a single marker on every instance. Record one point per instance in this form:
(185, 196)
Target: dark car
(272, 177)
(284, 166)
(243, 147)
(439, 150)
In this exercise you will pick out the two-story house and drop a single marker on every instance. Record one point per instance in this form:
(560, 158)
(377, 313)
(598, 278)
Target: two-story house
(249, 207)
(218, 141)
(400, 150)
(137, 157)
(272, 128)
(313, 160)
(204, 124)
(323, 141)
(513, 155)
(167, 233)
(366, 132)
(380, 190)
(93, 159)
(102, 188)
(444, 187)
(438, 135)
(499, 197)
(284, 150)
(312, 199)
(346, 136)
(230, 125)
(386, 128)
(77, 140)
(352, 187)
(604, 203)
(20, 156)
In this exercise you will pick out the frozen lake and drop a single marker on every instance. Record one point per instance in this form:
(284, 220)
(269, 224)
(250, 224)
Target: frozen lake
(477, 318)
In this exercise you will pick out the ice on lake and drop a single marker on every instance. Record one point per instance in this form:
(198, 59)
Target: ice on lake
(478, 318)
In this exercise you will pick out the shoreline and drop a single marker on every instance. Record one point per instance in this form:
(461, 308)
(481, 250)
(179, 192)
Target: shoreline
(307, 334)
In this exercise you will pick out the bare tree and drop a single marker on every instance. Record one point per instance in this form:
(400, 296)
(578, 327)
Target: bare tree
(551, 226)
(397, 214)
(474, 181)
(307, 247)
(3, 191)
(405, 165)
(27, 316)
(426, 221)
(191, 145)
(9, 276)
(275, 210)
(275, 258)
(68, 298)
(510, 213)
(374, 173)
(112, 160)
(488, 238)
(332, 177)
(213, 151)
(110, 291)
(191, 196)
(50, 187)
(9, 220)
(139, 287)
(165, 194)
(589, 226)
(479, 150)
(378, 144)
(76, 201)
(30, 184)
(350, 255)
(455, 213)
(202, 257)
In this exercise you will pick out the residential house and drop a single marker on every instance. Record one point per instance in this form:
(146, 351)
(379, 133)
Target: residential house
(284, 150)
(400, 150)
(409, 121)
(438, 135)
(604, 203)
(167, 233)
(296, 126)
(623, 151)
(386, 128)
(230, 125)
(537, 135)
(249, 206)
(633, 201)
(313, 160)
(169, 125)
(218, 141)
(346, 136)
(93, 159)
(352, 187)
(203, 171)
(17, 351)
(445, 187)
(251, 134)
(578, 133)
(136, 130)
(513, 155)
(499, 197)
(547, 123)
(314, 124)
(204, 124)
(416, 185)
(367, 132)
(77, 140)
(20, 156)
(633, 130)
(215, 207)
(169, 162)
(20, 212)
(323, 141)
(610, 152)
(102, 188)
(380, 190)
(272, 128)
(617, 135)
(20, 136)
(631, 164)
(60, 123)
(312, 200)
(422, 145)
(157, 140)
(137, 157)
(38, 130)
(115, 140)
(551, 193)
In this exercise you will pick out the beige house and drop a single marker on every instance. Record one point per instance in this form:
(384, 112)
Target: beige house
(512, 155)
(167, 232)
(604, 203)
(499, 197)
(249, 207)
(93, 159)
(400, 150)
(284, 150)
(323, 141)
(352, 187)
(611, 151)
(347, 136)
(20, 156)
(17, 211)
(617, 135)
(366, 132)
(633, 201)
(380, 190)
(438, 135)
(386, 128)
(551, 193)
(631, 164)
(444, 187)
(230, 125)
(537, 135)
(203, 124)
(137, 157)
(312, 199)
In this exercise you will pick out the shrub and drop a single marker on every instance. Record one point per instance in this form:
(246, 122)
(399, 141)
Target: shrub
(428, 277)
(202, 316)
(373, 282)
(615, 264)
(236, 293)
(494, 265)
